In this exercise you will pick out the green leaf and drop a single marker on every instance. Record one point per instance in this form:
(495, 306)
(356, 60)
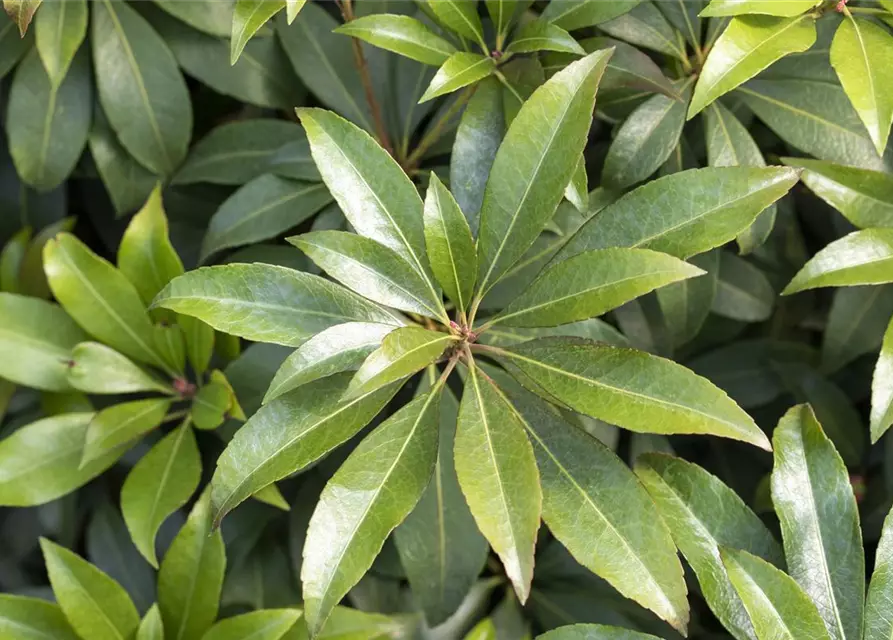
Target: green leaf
(191, 576)
(288, 434)
(12, 46)
(41, 461)
(594, 505)
(96, 368)
(58, 33)
(685, 305)
(24, 618)
(145, 254)
(262, 209)
(705, 208)
(856, 324)
(140, 87)
(644, 141)
(484, 630)
(819, 518)
(249, 16)
(121, 424)
(497, 471)
(783, 8)
(645, 26)
(703, 515)
(48, 123)
(376, 196)
(577, 190)
(21, 12)
(160, 483)
(878, 625)
(266, 303)
(743, 292)
(747, 46)
(460, 70)
(778, 608)
(100, 298)
(620, 386)
(862, 257)
(540, 35)
(451, 249)
(96, 606)
(293, 8)
(864, 197)
(199, 342)
(592, 283)
(213, 17)
(593, 631)
(403, 352)
(461, 16)
(577, 14)
(440, 546)
(683, 15)
(882, 389)
(390, 469)
(32, 271)
(267, 624)
(36, 339)
(151, 627)
(534, 164)
(403, 35)
(12, 254)
(861, 54)
(373, 270)
(237, 152)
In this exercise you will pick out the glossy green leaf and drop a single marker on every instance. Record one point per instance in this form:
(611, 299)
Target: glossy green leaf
(288, 434)
(266, 303)
(42, 461)
(373, 270)
(248, 17)
(747, 46)
(96, 368)
(160, 483)
(403, 352)
(199, 342)
(21, 12)
(191, 576)
(262, 209)
(540, 35)
(369, 495)
(577, 14)
(121, 424)
(59, 31)
(777, 606)
(878, 625)
(36, 339)
(460, 70)
(99, 298)
(534, 164)
(212, 17)
(96, 606)
(819, 518)
(403, 35)
(26, 618)
(685, 305)
(140, 87)
(862, 55)
(629, 68)
(743, 292)
(644, 141)
(151, 627)
(48, 123)
(267, 624)
(461, 16)
(645, 26)
(705, 208)
(882, 389)
(497, 471)
(593, 504)
(630, 388)
(783, 8)
(703, 515)
(592, 283)
(593, 632)
(862, 257)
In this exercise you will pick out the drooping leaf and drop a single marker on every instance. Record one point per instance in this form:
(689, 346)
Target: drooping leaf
(248, 17)
(266, 303)
(59, 31)
(93, 367)
(96, 606)
(630, 388)
(862, 257)
(26, 618)
(120, 424)
(819, 518)
(369, 495)
(267, 624)
(403, 35)
(460, 70)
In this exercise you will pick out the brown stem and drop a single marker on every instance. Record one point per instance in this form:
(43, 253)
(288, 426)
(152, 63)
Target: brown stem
(381, 131)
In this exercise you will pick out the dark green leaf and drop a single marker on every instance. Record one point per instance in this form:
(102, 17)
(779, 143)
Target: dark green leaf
(24, 618)
(461, 16)
(685, 305)
(878, 625)
(593, 631)
(248, 17)
(646, 26)
(214, 17)
(743, 292)
(856, 324)
(401, 34)
(882, 389)
(540, 35)
(577, 14)
(12, 46)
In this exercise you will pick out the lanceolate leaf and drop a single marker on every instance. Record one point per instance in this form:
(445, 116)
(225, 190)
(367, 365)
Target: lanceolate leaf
(595, 506)
(593, 631)
(785, 8)
(777, 606)
(862, 257)
(248, 17)
(862, 54)
(460, 70)
(266, 303)
(703, 514)
(267, 624)
(592, 283)
(21, 12)
(743, 292)
(288, 434)
(645, 26)
(539, 35)
(497, 471)
(461, 16)
(685, 305)
(882, 388)
(878, 624)
(372, 492)
(95, 605)
(120, 424)
(576, 14)
(747, 46)
(401, 34)
(33, 619)
(630, 388)
(534, 164)
(95, 368)
(814, 500)
(151, 627)
(59, 30)
(705, 208)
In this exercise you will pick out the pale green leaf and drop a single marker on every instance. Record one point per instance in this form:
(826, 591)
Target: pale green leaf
(403, 35)
(26, 618)
(460, 70)
(59, 31)
(461, 16)
(882, 388)
(151, 627)
(96, 368)
(267, 624)
(878, 624)
(248, 17)
(121, 424)
(783, 8)
(862, 257)
(593, 631)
